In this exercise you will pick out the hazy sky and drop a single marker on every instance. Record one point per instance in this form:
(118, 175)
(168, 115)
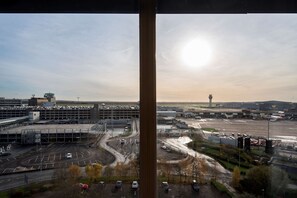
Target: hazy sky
(95, 57)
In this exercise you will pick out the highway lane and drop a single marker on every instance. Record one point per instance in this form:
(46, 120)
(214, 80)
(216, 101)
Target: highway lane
(17, 180)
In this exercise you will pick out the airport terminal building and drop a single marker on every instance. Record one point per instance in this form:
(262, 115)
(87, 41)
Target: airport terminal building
(88, 114)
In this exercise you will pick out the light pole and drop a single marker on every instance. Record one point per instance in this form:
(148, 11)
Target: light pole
(41, 159)
(239, 157)
(268, 128)
(78, 110)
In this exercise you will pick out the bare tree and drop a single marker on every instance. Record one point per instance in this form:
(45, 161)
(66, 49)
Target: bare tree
(134, 166)
(94, 170)
(202, 169)
(108, 171)
(236, 177)
(118, 169)
(74, 172)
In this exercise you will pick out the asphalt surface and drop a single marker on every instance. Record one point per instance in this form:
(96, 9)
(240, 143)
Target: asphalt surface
(109, 190)
(52, 156)
(17, 180)
(108, 143)
(247, 126)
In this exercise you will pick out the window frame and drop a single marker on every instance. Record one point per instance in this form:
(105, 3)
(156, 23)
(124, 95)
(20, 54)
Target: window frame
(147, 23)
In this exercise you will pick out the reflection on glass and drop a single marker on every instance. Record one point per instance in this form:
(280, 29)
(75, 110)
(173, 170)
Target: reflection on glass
(69, 120)
(226, 92)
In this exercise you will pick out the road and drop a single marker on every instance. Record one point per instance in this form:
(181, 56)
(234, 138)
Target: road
(118, 156)
(179, 145)
(52, 156)
(247, 126)
(17, 180)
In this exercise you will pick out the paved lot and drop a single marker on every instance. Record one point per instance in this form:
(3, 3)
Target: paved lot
(53, 128)
(129, 147)
(53, 156)
(252, 127)
(125, 146)
(108, 190)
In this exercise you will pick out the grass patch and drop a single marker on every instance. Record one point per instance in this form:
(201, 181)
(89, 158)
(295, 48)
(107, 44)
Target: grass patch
(226, 155)
(231, 166)
(4, 195)
(291, 193)
(220, 187)
(27, 191)
(210, 129)
(259, 152)
(293, 177)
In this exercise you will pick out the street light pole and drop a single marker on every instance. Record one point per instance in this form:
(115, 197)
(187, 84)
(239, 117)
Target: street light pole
(78, 110)
(111, 122)
(268, 128)
(40, 156)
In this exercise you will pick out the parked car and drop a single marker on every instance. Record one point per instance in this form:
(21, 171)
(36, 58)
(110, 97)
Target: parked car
(165, 186)
(84, 187)
(195, 186)
(122, 141)
(135, 185)
(69, 155)
(118, 184)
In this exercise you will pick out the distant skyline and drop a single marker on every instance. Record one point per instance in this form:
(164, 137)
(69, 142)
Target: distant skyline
(95, 57)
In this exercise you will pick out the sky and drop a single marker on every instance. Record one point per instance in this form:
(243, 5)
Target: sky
(95, 57)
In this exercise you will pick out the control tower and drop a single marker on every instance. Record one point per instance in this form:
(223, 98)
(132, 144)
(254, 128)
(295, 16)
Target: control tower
(210, 100)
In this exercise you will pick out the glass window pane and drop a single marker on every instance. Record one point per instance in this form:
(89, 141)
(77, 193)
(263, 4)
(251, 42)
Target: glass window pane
(69, 102)
(226, 87)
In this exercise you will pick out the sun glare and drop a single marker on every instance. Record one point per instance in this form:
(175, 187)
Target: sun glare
(196, 53)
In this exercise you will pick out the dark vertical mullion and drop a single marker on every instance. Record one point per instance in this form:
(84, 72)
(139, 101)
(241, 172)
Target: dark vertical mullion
(148, 166)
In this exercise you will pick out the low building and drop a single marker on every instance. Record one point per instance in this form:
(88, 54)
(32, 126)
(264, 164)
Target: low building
(37, 101)
(171, 114)
(34, 116)
(10, 102)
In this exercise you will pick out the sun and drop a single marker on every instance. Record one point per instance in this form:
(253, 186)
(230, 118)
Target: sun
(196, 53)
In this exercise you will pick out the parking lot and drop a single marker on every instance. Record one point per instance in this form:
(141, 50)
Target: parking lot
(109, 190)
(53, 156)
(129, 147)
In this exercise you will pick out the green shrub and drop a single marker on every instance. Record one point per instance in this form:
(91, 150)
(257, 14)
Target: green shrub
(221, 188)
(4, 195)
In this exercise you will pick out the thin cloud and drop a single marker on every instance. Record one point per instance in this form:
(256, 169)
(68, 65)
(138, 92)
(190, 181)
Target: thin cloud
(95, 57)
